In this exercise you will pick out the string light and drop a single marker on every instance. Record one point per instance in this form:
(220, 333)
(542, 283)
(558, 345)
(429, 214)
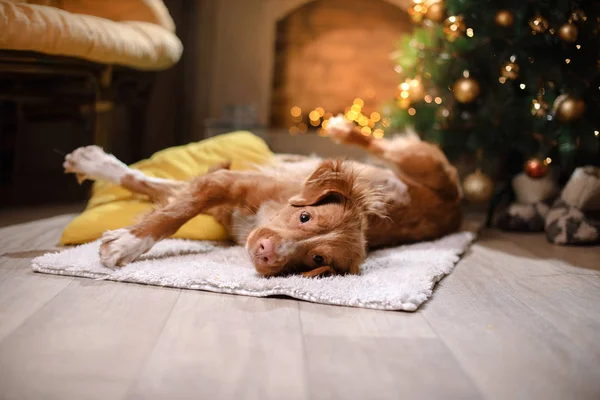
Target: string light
(568, 60)
(547, 161)
(294, 130)
(502, 79)
(412, 111)
(365, 130)
(438, 100)
(359, 102)
(428, 98)
(378, 133)
(375, 116)
(320, 110)
(596, 133)
(296, 111)
(522, 86)
(578, 46)
(470, 32)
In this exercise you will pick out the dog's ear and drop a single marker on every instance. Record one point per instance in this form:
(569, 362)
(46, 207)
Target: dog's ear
(331, 181)
(319, 271)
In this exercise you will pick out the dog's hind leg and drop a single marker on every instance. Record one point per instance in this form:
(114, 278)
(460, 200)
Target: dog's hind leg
(91, 162)
(420, 161)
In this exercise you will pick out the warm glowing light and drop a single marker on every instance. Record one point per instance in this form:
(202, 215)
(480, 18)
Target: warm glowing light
(356, 108)
(404, 94)
(404, 103)
(404, 86)
(314, 115)
(365, 130)
(438, 100)
(322, 132)
(294, 130)
(325, 124)
(568, 60)
(386, 122)
(596, 133)
(320, 110)
(522, 86)
(378, 133)
(470, 32)
(314, 123)
(537, 105)
(452, 19)
(371, 124)
(296, 111)
(363, 121)
(428, 98)
(578, 46)
(303, 127)
(327, 115)
(502, 79)
(375, 116)
(412, 111)
(359, 102)
(547, 161)
(351, 115)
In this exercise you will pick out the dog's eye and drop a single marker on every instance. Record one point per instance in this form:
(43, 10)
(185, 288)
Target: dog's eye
(304, 217)
(319, 260)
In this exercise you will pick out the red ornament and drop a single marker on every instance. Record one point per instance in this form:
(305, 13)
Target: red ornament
(536, 168)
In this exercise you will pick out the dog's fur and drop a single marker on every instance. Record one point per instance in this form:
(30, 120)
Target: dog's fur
(299, 214)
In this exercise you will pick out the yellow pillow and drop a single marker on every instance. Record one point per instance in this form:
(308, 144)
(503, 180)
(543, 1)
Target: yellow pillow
(112, 207)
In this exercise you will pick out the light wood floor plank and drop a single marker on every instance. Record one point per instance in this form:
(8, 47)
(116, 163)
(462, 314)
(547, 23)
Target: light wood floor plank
(88, 342)
(217, 346)
(490, 319)
(369, 354)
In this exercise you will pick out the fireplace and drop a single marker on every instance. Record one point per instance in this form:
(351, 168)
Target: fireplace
(331, 55)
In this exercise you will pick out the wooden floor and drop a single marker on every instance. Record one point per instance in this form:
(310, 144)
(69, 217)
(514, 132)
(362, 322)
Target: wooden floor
(517, 319)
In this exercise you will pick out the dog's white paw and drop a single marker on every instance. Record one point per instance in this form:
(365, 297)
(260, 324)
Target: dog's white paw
(120, 247)
(339, 128)
(93, 163)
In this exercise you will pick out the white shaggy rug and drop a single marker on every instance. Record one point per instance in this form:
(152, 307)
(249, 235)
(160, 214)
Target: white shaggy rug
(399, 278)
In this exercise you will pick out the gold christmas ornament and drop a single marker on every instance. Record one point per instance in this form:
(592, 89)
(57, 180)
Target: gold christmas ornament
(568, 32)
(504, 18)
(478, 188)
(436, 12)
(567, 108)
(539, 108)
(538, 24)
(466, 90)
(454, 27)
(510, 70)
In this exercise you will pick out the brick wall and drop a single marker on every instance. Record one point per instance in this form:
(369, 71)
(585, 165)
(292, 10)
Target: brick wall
(328, 52)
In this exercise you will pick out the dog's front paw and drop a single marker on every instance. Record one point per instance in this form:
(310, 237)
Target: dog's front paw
(120, 247)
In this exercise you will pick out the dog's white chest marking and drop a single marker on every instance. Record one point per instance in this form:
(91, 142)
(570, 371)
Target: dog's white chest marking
(394, 189)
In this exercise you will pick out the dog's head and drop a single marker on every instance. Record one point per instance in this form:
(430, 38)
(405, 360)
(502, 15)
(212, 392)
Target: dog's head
(322, 230)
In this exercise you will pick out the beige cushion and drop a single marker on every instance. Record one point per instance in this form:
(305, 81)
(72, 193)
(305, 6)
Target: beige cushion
(134, 43)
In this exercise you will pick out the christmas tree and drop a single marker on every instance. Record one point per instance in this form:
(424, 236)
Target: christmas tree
(514, 83)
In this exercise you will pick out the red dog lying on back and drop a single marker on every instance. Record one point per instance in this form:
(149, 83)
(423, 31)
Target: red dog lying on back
(299, 214)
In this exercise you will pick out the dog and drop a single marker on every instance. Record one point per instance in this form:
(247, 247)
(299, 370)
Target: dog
(297, 215)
